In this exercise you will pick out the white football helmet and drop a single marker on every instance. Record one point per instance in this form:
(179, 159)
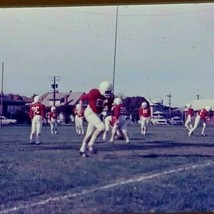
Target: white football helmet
(105, 88)
(117, 101)
(144, 105)
(208, 108)
(188, 105)
(36, 99)
(53, 108)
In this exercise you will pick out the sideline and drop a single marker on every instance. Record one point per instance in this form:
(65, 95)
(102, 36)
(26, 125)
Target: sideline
(108, 186)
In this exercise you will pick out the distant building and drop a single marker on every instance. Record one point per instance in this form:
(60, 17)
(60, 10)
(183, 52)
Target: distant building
(11, 104)
(61, 99)
(164, 110)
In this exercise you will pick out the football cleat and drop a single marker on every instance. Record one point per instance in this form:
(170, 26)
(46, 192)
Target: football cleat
(189, 134)
(127, 142)
(204, 135)
(84, 154)
(38, 142)
(93, 151)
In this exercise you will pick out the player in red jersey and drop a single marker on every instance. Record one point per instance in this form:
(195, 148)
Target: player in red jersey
(118, 121)
(37, 115)
(52, 117)
(97, 99)
(145, 116)
(189, 116)
(78, 119)
(202, 116)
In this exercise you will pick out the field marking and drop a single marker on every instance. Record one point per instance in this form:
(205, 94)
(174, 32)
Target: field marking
(108, 186)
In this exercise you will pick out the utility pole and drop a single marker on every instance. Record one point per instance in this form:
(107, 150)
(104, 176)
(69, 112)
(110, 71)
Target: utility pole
(55, 86)
(169, 96)
(115, 48)
(2, 77)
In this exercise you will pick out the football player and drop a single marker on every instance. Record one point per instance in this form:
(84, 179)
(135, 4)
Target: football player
(118, 121)
(108, 124)
(52, 117)
(78, 119)
(202, 116)
(145, 116)
(189, 116)
(97, 100)
(37, 115)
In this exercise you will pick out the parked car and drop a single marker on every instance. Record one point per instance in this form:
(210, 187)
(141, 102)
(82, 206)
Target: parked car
(159, 120)
(5, 121)
(176, 121)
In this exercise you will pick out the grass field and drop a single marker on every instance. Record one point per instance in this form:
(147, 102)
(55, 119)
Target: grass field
(164, 171)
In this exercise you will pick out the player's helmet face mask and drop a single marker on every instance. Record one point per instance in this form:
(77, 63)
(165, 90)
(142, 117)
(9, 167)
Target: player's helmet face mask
(36, 99)
(105, 88)
(118, 101)
(144, 105)
(208, 108)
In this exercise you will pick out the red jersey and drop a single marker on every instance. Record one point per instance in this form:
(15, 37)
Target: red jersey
(119, 110)
(203, 113)
(95, 100)
(144, 112)
(37, 109)
(52, 115)
(190, 112)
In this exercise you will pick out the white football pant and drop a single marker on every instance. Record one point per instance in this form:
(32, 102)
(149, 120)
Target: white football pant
(36, 127)
(94, 129)
(107, 126)
(196, 124)
(144, 123)
(79, 125)
(188, 123)
(120, 125)
(54, 126)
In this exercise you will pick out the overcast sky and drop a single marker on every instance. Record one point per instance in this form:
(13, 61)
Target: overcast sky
(161, 49)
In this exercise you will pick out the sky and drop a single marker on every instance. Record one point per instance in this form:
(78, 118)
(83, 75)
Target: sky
(158, 50)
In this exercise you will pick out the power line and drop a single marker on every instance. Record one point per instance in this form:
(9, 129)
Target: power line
(144, 15)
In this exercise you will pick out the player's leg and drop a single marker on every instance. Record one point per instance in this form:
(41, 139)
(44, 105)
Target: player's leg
(187, 123)
(107, 127)
(124, 129)
(99, 129)
(55, 127)
(81, 126)
(33, 131)
(38, 129)
(89, 131)
(197, 121)
(143, 124)
(52, 127)
(113, 133)
(76, 123)
(203, 129)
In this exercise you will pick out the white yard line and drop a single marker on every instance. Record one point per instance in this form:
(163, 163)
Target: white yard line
(108, 186)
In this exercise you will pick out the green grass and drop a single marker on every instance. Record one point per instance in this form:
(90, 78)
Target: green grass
(34, 173)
